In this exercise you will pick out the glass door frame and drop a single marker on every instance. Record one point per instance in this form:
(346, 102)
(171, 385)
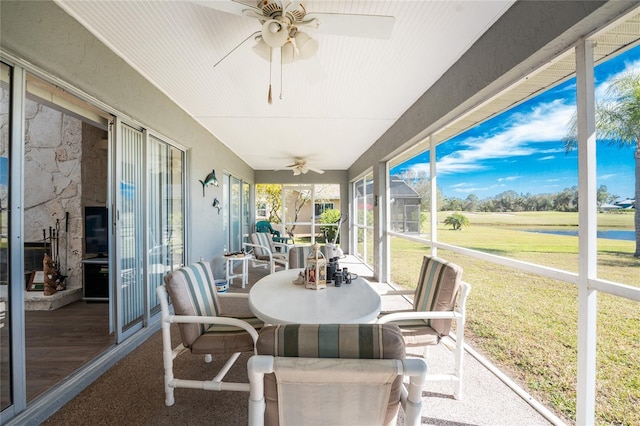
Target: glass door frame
(360, 222)
(245, 213)
(116, 202)
(15, 285)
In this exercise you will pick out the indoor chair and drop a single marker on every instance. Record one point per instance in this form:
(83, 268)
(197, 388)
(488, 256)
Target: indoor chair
(438, 299)
(206, 326)
(266, 250)
(333, 374)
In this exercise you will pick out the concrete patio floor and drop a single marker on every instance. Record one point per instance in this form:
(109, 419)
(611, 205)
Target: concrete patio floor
(487, 400)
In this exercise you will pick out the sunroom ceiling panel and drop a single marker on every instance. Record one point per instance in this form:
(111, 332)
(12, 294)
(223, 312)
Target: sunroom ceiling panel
(175, 45)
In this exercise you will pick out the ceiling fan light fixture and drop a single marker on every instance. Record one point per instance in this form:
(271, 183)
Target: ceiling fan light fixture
(307, 46)
(288, 54)
(275, 33)
(262, 50)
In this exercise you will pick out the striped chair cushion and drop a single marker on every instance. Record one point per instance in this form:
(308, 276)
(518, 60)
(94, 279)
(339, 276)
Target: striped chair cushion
(437, 289)
(221, 339)
(355, 341)
(297, 256)
(193, 292)
(359, 341)
(263, 239)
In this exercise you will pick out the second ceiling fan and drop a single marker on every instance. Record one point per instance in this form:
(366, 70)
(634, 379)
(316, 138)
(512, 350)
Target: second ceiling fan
(300, 167)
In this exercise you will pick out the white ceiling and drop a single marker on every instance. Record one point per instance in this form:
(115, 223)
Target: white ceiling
(365, 85)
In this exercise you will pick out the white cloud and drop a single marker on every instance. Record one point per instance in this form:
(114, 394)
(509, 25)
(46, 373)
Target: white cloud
(548, 157)
(508, 178)
(546, 122)
(608, 176)
(601, 89)
(470, 189)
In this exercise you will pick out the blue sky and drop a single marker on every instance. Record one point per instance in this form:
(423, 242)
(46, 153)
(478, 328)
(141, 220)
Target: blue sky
(521, 150)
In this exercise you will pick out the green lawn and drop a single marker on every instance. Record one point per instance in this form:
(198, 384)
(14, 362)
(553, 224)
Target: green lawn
(528, 324)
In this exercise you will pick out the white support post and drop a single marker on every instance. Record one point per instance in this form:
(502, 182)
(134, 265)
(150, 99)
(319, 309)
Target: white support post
(433, 216)
(381, 226)
(587, 226)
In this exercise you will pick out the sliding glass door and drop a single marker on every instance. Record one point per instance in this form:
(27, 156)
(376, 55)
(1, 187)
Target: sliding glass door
(237, 214)
(149, 219)
(130, 229)
(165, 239)
(6, 371)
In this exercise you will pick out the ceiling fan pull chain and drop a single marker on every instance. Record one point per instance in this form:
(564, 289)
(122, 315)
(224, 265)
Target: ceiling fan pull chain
(281, 75)
(269, 98)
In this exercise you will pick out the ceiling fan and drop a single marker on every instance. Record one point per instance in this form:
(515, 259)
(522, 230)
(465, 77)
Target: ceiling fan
(282, 23)
(300, 167)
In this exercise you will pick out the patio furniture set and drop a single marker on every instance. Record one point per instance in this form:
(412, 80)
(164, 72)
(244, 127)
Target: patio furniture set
(318, 357)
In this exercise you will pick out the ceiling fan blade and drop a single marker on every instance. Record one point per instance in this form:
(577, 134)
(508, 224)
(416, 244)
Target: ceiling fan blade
(289, 5)
(313, 169)
(370, 26)
(236, 48)
(230, 6)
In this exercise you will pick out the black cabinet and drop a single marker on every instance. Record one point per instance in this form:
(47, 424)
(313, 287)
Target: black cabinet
(95, 279)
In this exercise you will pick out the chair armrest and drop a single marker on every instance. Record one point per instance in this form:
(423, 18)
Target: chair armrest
(233, 295)
(192, 319)
(397, 293)
(265, 248)
(399, 316)
(286, 247)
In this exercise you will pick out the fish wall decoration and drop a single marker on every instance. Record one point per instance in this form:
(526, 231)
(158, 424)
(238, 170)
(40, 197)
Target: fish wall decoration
(209, 180)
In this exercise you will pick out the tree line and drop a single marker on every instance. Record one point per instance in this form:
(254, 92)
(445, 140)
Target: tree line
(565, 200)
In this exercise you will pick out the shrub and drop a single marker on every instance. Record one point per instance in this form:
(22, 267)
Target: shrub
(456, 221)
(330, 216)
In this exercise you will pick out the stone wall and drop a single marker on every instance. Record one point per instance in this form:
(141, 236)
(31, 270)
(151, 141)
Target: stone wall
(94, 166)
(62, 156)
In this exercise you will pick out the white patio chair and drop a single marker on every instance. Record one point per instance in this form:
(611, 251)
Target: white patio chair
(330, 374)
(206, 327)
(439, 299)
(266, 250)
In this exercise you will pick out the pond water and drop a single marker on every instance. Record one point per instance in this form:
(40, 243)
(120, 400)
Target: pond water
(612, 234)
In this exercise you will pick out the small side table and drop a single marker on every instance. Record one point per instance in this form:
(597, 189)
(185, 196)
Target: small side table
(244, 273)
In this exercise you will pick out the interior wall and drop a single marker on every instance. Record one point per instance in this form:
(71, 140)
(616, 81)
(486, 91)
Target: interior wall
(42, 34)
(53, 185)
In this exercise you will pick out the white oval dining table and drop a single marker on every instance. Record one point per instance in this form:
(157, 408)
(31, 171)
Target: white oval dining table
(274, 299)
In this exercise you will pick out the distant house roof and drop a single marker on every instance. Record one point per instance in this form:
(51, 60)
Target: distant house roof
(625, 204)
(398, 188)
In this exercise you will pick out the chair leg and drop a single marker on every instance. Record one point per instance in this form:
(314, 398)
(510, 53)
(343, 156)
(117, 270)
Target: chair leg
(426, 353)
(459, 352)
(257, 366)
(167, 359)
